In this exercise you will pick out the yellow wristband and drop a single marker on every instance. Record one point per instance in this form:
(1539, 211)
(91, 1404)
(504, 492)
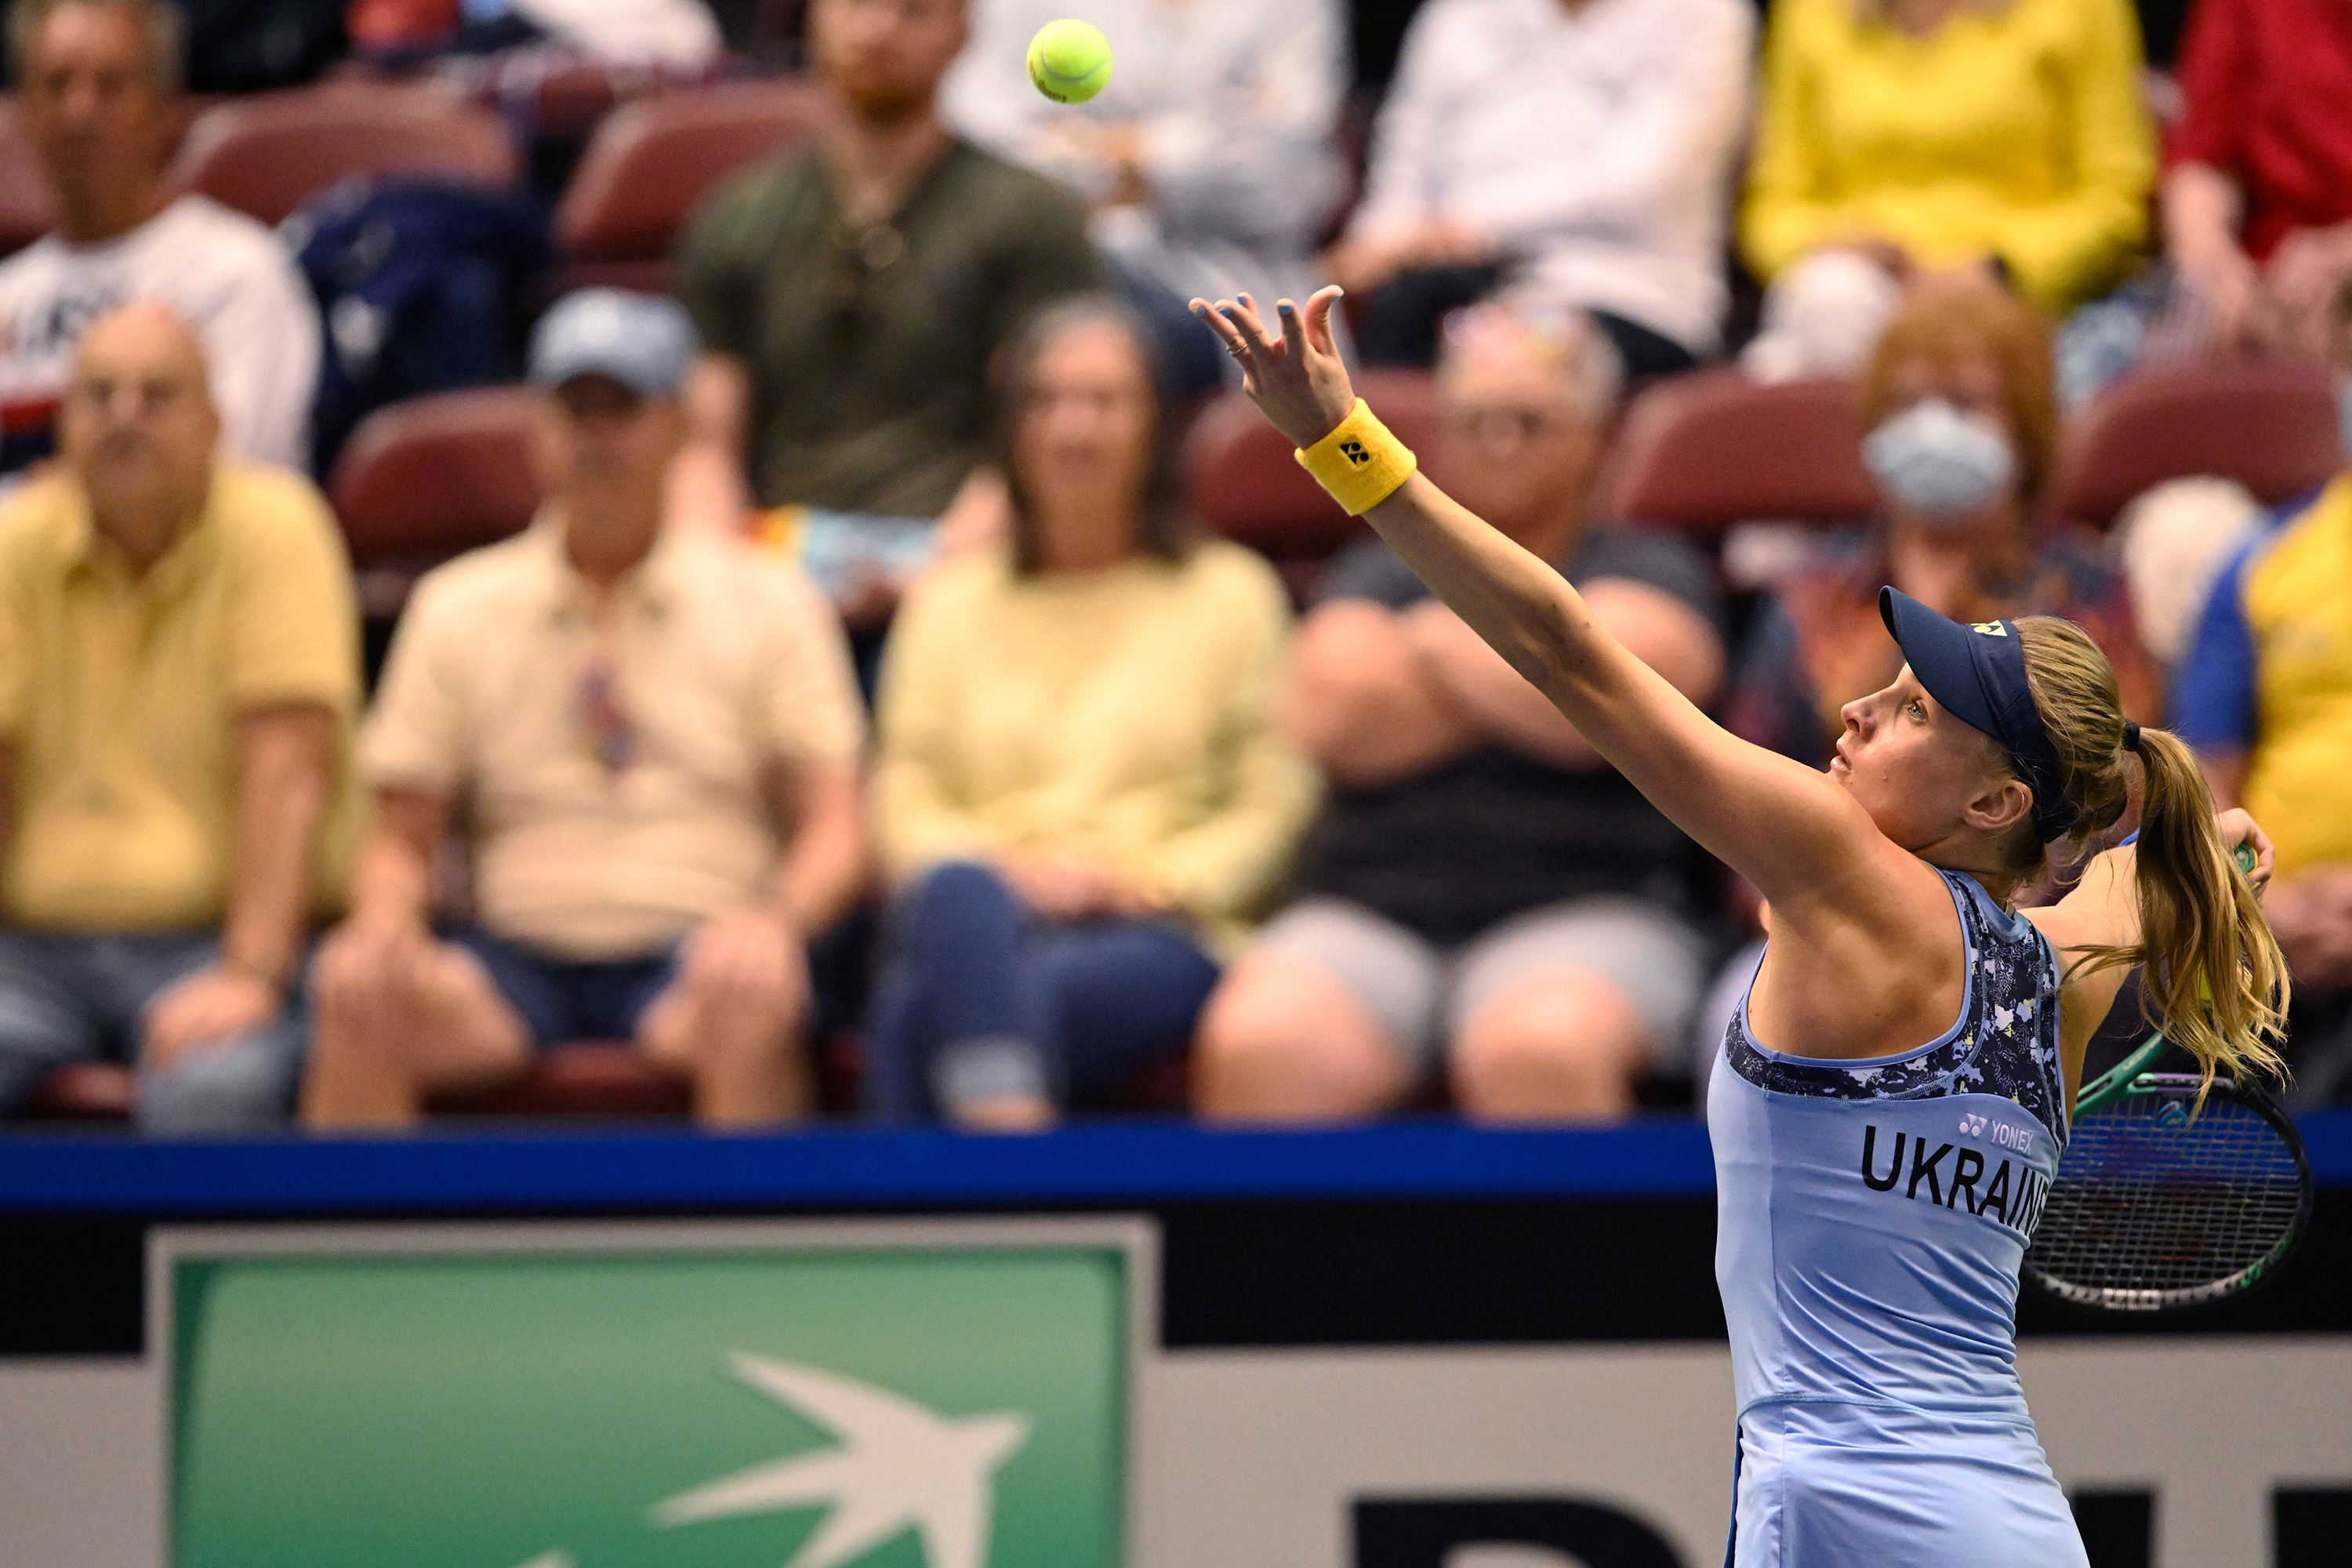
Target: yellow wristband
(1361, 463)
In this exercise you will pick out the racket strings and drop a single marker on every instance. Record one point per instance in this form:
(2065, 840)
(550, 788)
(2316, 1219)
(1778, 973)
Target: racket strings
(2154, 1205)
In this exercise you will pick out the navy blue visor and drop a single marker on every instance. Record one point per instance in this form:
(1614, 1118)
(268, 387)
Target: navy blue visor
(1978, 674)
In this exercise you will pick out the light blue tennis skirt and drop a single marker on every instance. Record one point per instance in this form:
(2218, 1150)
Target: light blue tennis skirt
(1847, 1485)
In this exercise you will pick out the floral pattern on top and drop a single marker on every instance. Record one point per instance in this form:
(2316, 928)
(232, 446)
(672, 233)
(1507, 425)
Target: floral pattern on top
(2006, 1042)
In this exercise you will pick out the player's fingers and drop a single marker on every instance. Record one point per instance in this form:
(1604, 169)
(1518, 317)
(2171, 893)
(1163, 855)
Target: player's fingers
(1244, 315)
(1318, 316)
(1230, 338)
(2264, 855)
(1206, 314)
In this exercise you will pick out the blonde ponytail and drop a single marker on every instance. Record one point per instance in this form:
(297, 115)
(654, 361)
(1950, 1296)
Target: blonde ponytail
(2212, 976)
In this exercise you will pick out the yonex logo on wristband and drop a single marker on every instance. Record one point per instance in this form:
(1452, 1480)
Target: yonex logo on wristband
(1354, 452)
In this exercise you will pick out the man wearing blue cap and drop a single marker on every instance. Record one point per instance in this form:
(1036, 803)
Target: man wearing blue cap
(652, 733)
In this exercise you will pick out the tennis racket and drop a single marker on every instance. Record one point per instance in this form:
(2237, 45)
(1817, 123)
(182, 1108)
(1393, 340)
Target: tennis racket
(2159, 1203)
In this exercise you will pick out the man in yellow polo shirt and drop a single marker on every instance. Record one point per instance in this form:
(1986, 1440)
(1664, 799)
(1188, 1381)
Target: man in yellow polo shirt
(178, 674)
(654, 732)
(2265, 696)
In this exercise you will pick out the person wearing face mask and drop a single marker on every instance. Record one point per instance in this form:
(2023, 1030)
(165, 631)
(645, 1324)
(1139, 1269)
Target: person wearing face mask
(1962, 429)
(2265, 697)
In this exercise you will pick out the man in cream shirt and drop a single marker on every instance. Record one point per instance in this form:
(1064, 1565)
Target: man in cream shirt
(655, 735)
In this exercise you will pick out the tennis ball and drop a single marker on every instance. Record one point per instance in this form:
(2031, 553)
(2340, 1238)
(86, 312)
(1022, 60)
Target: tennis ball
(1069, 61)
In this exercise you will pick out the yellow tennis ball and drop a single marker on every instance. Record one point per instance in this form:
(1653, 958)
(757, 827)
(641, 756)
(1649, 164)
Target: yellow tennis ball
(1069, 61)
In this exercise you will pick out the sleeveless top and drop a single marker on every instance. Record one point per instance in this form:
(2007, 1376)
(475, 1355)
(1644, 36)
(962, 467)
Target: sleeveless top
(1872, 1214)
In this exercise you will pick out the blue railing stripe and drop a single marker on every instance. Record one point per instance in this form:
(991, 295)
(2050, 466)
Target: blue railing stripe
(609, 1170)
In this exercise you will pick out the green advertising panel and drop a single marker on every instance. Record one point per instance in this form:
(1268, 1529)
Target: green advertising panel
(940, 1397)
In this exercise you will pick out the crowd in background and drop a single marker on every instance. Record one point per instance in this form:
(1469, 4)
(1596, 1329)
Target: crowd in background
(865, 675)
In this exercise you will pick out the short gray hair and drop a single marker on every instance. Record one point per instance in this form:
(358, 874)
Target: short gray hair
(166, 30)
(1594, 370)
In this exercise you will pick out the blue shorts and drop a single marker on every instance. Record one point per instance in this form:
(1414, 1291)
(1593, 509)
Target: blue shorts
(1846, 1486)
(562, 999)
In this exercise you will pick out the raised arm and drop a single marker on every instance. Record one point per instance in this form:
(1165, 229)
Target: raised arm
(1791, 831)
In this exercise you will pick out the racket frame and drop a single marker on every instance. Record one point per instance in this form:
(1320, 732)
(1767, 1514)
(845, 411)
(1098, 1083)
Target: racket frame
(2132, 1075)
(2254, 1098)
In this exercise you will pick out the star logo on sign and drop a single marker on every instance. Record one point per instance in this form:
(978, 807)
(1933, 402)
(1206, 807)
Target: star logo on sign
(898, 1467)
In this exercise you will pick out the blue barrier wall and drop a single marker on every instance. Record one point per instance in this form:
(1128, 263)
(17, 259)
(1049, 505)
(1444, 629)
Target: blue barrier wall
(1087, 1164)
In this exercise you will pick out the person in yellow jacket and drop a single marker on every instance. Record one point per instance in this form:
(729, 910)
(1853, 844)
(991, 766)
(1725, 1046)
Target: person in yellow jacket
(1904, 138)
(1082, 792)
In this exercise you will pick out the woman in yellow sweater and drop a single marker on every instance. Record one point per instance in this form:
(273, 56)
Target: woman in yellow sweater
(1082, 794)
(1904, 138)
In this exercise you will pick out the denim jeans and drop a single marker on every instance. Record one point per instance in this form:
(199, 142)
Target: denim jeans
(978, 997)
(65, 999)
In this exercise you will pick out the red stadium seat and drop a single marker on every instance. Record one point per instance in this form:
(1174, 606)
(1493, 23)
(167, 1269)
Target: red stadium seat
(421, 480)
(1246, 485)
(266, 154)
(2268, 424)
(1703, 451)
(589, 1078)
(28, 209)
(652, 160)
(86, 1091)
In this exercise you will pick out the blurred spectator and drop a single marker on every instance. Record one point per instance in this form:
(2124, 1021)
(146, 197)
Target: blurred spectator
(179, 672)
(851, 299)
(2172, 543)
(1908, 137)
(1963, 433)
(2265, 696)
(1209, 162)
(653, 736)
(99, 81)
(1576, 151)
(2258, 197)
(1483, 894)
(1082, 793)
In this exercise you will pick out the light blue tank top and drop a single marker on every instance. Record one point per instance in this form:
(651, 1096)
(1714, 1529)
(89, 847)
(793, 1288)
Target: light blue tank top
(1871, 1215)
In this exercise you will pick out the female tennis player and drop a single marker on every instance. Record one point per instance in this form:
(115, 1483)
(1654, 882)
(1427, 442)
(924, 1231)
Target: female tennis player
(1893, 1096)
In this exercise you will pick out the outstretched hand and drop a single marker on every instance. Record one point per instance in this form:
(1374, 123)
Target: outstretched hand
(1296, 379)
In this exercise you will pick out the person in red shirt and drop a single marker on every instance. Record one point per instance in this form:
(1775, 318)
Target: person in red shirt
(2258, 191)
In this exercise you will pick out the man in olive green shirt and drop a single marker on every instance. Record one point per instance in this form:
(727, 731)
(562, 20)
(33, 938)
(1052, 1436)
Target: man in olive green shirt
(850, 298)
(179, 676)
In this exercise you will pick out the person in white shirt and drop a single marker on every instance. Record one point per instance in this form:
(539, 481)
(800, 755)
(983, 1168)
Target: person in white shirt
(1209, 159)
(98, 84)
(1574, 152)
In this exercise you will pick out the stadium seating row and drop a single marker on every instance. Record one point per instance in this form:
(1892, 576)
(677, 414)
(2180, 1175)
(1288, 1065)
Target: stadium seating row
(1698, 453)
(424, 480)
(648, 163)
